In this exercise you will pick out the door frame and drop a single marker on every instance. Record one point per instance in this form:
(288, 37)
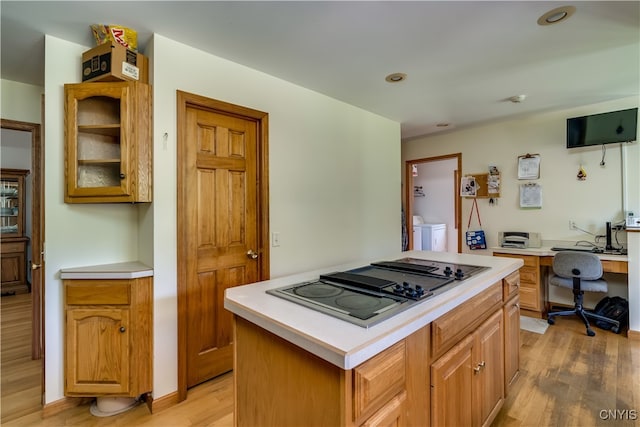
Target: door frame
(37, 233)
(184, 101)
(408, 193)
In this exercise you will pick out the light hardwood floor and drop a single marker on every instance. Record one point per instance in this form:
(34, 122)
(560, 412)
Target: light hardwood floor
(21, 376)
(567, 379)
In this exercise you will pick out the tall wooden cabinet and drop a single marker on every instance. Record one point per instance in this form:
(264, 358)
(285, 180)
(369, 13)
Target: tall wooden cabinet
(108, 142)
(13, 242)
(108, 336)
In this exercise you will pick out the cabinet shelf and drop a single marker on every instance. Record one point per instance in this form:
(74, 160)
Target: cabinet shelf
(108, 130)
(98, 161)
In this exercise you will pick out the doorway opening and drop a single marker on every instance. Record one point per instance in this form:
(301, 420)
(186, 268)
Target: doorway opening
(432, 195)
(22, 148)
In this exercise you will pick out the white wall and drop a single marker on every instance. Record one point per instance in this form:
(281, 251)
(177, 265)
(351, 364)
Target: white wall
(334, 187)
(334, 176)
(589, 203)
(21, 101)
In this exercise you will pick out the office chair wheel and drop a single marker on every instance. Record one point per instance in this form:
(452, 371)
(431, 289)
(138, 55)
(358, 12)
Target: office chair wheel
(590, 332)
(615, 329)
(551, 321)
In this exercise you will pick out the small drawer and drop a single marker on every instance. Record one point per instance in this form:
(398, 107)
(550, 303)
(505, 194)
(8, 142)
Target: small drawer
(97, 292)
(529, 299)
(510, 285)
(529, 275)
(449, 328)
(378, 379)
(8, 248)
(529, 260)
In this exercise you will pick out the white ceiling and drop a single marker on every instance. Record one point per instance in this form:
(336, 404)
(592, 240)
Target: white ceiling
(463, 59)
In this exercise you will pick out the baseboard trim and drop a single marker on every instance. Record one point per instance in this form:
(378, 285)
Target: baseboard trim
(633, 335)
(63, 404)
(164, 402)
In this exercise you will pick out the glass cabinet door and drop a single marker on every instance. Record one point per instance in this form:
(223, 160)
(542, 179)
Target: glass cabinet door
(97, 124)
(12, 202)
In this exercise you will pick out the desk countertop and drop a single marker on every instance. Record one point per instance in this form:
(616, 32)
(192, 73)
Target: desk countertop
(546, 251)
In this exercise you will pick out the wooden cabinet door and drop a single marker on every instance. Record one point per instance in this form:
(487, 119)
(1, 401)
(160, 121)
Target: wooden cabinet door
(97, 352)
(390, 415)
(489, 368)
(452, 386)
(511, 342)
(107, 142)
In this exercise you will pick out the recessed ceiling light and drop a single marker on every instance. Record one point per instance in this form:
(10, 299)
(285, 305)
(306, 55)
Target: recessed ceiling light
(395, 77)
(517, 98)
(443, 125)
(556, 15)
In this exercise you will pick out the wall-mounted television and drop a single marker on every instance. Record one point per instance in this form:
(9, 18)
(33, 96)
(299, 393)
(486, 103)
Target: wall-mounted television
(604, 128)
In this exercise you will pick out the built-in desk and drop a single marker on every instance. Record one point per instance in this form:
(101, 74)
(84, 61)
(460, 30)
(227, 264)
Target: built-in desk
(534, 291)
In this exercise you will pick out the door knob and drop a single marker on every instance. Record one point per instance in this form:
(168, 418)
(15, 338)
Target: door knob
(35, 266)
(251, 254)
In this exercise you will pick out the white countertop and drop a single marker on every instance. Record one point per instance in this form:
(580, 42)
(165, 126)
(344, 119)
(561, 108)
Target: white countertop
(344, 344)
(122, 270)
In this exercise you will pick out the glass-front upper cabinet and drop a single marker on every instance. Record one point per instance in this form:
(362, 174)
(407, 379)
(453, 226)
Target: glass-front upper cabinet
(12, 201)
(108, 144)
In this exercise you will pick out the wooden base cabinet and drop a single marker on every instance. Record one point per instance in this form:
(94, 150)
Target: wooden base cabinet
(468, 380)
(389, 389)
(449, 373)
(108, 336)
(13, 265)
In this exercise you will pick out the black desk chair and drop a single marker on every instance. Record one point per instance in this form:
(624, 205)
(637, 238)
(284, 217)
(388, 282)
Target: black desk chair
(580, 271)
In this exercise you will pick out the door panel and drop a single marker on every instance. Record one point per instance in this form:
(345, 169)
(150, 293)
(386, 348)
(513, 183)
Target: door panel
(221, 224)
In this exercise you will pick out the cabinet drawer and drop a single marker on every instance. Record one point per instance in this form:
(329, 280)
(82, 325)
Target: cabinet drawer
(510, 285)
(529, 260)
(529, 275)
(92, 292)
(378, 379)
(451, 327)
(529, 299)
(11, 247)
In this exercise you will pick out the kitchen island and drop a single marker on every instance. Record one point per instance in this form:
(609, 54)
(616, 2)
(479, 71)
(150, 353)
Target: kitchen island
(448, 360)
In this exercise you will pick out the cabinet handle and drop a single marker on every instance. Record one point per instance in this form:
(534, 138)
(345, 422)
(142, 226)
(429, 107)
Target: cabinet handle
(479, 367)
(122, 176)
(518, 306)
(122, 329)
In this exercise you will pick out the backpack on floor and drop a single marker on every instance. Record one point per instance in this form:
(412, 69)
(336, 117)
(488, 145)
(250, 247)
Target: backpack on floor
(615, 308)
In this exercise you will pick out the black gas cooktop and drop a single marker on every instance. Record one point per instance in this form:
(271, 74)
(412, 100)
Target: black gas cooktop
(368, 295)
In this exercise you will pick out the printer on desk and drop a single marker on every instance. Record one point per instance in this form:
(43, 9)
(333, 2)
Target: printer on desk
(519, 239)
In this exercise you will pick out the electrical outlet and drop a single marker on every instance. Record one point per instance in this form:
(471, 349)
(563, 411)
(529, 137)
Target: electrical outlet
(572, 225)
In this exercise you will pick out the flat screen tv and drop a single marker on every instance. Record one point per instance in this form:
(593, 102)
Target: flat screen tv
(605, 128)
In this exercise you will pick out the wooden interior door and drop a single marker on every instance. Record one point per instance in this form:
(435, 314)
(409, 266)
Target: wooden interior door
(222, 226)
